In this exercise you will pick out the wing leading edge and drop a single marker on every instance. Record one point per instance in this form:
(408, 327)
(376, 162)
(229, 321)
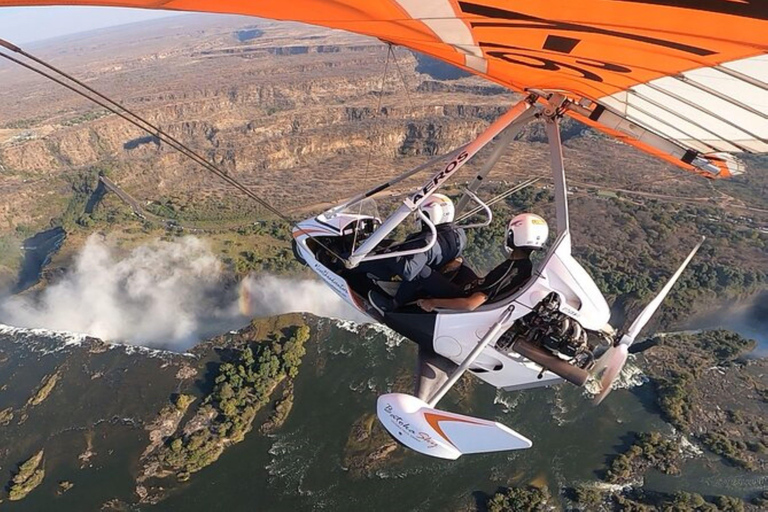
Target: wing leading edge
(685, 78)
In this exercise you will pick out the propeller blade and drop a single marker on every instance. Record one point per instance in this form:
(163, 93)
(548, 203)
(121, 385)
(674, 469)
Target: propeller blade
(611, 364)
(651, 308)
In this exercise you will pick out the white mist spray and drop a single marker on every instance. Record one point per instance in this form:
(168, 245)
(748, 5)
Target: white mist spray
(162, 294)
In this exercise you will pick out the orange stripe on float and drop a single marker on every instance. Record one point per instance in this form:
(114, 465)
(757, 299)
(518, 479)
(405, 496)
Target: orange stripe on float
(434, 421)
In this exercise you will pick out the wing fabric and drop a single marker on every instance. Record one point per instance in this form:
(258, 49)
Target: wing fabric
(686, 80)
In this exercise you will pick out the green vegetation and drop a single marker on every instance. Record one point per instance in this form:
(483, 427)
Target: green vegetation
(23, 231)
(212, 212)
(276, 261)
(687, 501)
(587, 496)
(680, 502)
(520, 499)
(674, 397)
(731, 262)
(165, 208)
(730, 449)
(648, 450)
(722, 346)
(676, 385)
(21, 124)
(716, 271)
(280, 412)
(245, 245)
(85, 117)
(83, 209)
(29, 476)
(242, 387)
(729, 504)
(637, 500)
(266, 249)
(368, 446)
(182, 402)
(83, 184)
(10, 252)
(686, 370)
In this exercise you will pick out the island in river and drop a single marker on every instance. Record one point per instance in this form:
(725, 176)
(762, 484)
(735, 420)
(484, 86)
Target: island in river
(127, 426)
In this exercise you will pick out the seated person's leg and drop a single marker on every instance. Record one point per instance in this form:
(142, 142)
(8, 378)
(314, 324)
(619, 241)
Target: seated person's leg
(407, 292)
(464, 276)
(429, 284)
(381, 269)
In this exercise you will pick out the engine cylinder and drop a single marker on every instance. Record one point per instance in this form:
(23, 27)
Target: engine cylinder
(564, 369)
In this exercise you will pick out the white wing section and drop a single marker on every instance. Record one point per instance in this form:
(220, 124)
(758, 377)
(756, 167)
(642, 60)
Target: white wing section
(704, 113)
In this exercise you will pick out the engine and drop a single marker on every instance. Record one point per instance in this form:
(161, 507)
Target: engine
(547, 328)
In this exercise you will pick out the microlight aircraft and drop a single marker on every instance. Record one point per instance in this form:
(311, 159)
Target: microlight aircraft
(684, 80)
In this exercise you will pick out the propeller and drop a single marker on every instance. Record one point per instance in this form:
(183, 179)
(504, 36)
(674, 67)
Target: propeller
(610, 364)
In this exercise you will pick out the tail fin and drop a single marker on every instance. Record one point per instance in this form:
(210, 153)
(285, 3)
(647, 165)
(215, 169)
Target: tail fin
(443, 434)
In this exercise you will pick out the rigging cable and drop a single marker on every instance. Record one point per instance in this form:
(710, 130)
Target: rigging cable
(402, 80)
(141, 123)
(370, 144)
(517, 188)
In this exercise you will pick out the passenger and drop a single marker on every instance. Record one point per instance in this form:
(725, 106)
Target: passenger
(525, 233)
(420, 273)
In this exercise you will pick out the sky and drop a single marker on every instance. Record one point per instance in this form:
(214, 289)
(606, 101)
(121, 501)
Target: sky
(23, 25)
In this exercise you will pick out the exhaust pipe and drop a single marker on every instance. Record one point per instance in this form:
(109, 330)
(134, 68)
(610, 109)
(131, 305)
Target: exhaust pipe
(571, 373)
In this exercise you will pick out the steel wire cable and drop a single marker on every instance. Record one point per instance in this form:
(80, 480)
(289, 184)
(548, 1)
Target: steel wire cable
(370, 145)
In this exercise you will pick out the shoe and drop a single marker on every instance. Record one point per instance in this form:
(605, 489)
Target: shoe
(380, 303)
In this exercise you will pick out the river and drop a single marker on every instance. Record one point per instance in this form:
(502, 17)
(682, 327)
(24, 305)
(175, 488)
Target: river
(301, 466)
(38, 251)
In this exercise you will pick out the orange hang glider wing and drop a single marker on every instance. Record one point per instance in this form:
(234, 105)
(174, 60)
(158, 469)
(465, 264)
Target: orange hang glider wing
(686, 80)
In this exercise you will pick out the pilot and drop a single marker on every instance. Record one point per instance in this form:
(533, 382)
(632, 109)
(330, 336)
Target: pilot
(526, 233)
(420, 272)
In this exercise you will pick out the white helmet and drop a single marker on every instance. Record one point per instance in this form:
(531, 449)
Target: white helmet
(438, 208)
(527, 230)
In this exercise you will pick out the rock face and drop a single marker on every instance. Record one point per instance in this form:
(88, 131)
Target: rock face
(29, 476)
(263, 109)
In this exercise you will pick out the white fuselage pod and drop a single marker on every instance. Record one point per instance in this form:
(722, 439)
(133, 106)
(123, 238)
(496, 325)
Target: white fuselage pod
(456, 333)
(322, 228)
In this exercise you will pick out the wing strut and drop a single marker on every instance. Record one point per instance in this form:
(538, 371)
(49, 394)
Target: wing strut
(505, 139)
(411, 203)
(558, 173)
(607, 117)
